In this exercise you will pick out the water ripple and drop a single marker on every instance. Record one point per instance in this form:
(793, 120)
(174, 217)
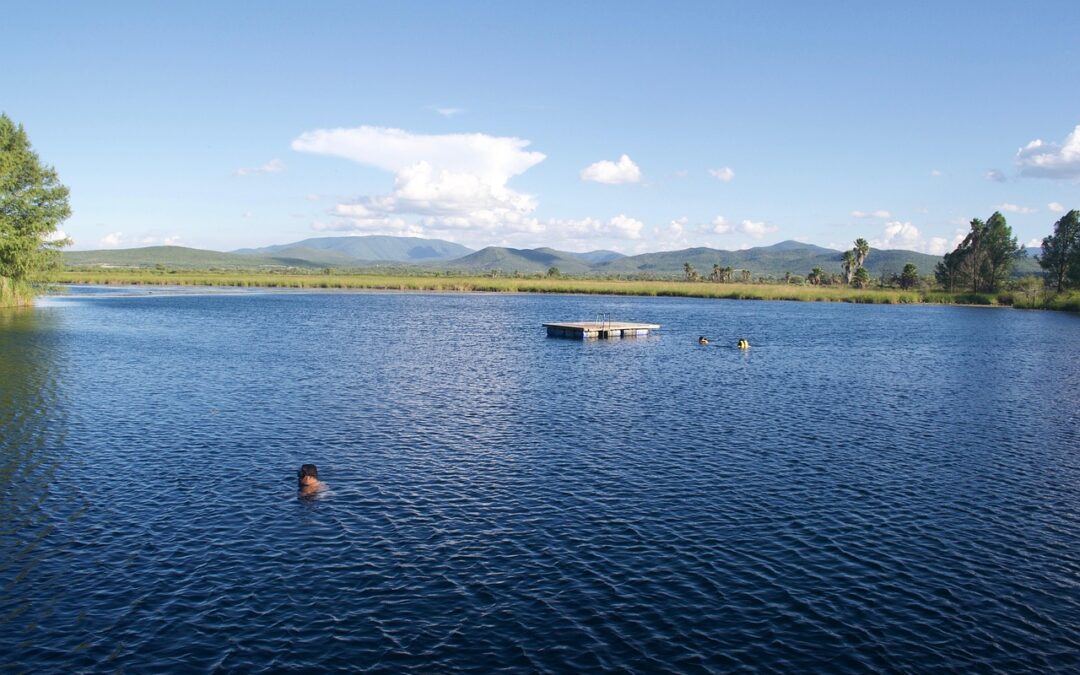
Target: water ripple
(869, 488)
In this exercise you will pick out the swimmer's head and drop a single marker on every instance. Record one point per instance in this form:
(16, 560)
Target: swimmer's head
(308, 475)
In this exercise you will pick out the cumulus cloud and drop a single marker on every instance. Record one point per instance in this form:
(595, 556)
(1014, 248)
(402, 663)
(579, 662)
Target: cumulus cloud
(118, 239)
(904, 235)
(612, 173)
(447, 182)
(1014, 208)
(752, 228)
(756, 229)
(995, 175)
(111, 240)
(1034, 243)
(54, 236)
(1056, 207)
(1047, 159)
(879, 213)
(724, 174)
(720, 225)
(273, 166)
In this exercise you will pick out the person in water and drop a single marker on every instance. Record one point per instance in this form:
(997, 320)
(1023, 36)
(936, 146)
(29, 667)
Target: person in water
(703, 340)
(744, 344)
(308, 479)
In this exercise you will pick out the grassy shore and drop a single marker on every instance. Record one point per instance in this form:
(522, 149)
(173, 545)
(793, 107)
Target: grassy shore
(15, 294)
(735, 291)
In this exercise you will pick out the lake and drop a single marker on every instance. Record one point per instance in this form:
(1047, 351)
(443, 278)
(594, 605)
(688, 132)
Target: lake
(866, 488)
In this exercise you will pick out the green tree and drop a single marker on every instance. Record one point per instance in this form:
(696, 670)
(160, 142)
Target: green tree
(33, 203)
(816, 276)
(861, 251)
(949, 272)
(849, 265)
(861, 278)
(1000, 250)
(1061, 252)
(909, 277)
(691, 273)
(553, 271)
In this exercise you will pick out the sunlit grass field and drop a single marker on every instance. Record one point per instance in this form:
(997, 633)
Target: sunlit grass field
(739, 291)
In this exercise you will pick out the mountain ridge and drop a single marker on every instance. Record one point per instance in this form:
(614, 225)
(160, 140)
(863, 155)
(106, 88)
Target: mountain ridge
(420, 254)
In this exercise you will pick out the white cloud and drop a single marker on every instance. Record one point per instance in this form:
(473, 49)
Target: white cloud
(1056, 207)
(448, 111)
(1046, 159)
(720, 225)
(111, 240)
(273, 166)
(54, 236)
(724, 174)
(936, 173)
(904, 235)
(117, 239)
(1014, 208)
(756, 229)
(995, 175)
(449, 183)
(612, 173)
(1034, 243)
(879, 213)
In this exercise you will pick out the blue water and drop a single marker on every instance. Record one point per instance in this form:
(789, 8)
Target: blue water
(886, 488)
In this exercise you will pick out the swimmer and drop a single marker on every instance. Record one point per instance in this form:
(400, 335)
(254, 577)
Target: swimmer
(744, 344)
(703, 340)
(308, 479)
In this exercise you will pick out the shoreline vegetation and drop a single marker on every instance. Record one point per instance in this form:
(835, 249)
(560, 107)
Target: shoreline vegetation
(16, 293)
(1024, 299)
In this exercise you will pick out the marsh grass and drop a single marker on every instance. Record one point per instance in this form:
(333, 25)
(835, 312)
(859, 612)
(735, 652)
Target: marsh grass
(15, 293)
(732, 291)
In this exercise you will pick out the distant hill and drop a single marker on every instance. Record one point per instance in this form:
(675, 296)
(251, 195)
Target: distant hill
(594, 257)
(775, 260)
(345, 251)
(526, 261)
(176, 257)
(403, 253)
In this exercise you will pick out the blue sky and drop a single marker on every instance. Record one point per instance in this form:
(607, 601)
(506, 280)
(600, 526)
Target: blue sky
(741, 124)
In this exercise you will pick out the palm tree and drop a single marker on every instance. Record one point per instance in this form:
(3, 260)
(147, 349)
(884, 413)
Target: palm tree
(849, 264)
(861, 250)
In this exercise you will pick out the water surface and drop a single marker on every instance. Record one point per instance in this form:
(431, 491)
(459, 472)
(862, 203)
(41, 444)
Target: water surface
(867, 488)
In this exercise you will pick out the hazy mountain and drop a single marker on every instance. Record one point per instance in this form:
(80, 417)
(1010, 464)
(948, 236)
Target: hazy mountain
(343, 251)
(775, 260)
(405, 252)
(595, 257)
(526, 261)
(176, 257)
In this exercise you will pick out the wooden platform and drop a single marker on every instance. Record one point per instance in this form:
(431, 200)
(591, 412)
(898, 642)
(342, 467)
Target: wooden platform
(585, 330)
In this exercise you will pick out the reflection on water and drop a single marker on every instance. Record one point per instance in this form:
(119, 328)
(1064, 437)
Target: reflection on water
(39, 507)
(867, 488)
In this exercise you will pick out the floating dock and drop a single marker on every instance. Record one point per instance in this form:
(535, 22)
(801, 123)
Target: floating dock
(587, 330)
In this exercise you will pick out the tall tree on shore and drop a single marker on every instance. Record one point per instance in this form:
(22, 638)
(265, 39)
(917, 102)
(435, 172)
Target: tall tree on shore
(984, 258)
(1001, 250)
(33, 204)
(1061, 252)
(909, 277)
(861, 251)
(849, 265)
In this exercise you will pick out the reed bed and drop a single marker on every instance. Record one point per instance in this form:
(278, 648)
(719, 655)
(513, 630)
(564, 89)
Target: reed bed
(14, 293)
(732, 291)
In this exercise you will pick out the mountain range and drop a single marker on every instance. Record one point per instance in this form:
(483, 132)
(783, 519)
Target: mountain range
(412, 253)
